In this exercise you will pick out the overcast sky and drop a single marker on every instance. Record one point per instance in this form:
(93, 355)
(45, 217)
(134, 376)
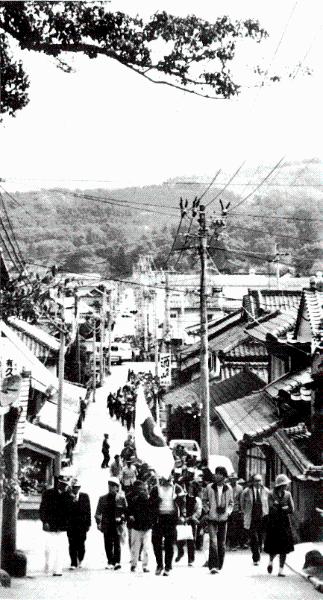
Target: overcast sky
(106, 124)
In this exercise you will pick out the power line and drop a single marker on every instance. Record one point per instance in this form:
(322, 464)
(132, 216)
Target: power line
(226, 185)
(126, 203)
(290, 237)
(249, 183)
(259, 185)
(305, 219)
(11, 229)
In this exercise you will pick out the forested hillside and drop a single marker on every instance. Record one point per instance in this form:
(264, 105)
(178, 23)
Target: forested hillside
(106, 231)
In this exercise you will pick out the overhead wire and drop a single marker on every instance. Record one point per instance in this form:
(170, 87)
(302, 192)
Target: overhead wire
(226, 185)
(11, 229)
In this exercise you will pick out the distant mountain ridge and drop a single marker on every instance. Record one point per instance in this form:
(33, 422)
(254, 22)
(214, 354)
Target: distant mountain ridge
(107, 230)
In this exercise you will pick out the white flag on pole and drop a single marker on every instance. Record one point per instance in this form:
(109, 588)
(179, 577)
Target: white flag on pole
(151, 446)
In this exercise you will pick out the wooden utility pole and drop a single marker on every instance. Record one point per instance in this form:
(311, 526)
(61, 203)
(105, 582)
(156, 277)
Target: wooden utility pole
(166, 328)
(204, 354)
(102, 336)
(61, 369)
(94, 358)
(156, 335)
(2, 470)
(109, 333)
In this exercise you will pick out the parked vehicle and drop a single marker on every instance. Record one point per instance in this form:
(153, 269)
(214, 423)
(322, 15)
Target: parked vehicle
(116, 358)
(218, 460)
(191, 447)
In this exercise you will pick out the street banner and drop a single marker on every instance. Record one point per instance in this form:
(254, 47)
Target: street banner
(165, 372)
(151, 446)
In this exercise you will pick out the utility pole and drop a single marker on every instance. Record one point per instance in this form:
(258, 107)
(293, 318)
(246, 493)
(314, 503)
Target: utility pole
(156, 335)
(61, 369)
(203, 244)
(278, 256)
(2, 472)
(94, 358)
(102, 336)
(109, 333)
(166, 328)
(204, 353)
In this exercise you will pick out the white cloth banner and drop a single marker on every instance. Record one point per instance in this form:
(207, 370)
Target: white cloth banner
(165, 372)
(151, 446)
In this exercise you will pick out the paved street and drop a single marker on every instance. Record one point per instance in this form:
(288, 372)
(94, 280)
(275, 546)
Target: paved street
(239, 579)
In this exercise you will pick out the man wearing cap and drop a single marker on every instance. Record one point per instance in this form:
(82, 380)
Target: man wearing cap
(109, 516)
(78, 523)
(217, 505)
(254, 504)
(128, 475)
(53, 513)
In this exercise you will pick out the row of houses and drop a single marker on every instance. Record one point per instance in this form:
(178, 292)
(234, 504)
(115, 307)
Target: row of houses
(265, 363)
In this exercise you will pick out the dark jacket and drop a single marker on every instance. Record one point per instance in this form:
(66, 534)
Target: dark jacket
(139, 507)
(54, 508)
(109, 509)
(79, 514)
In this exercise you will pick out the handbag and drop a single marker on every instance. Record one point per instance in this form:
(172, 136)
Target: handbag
(184, 532)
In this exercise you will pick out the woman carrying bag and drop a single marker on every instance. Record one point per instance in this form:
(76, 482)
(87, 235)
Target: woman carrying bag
(279, 537)
(193, 515)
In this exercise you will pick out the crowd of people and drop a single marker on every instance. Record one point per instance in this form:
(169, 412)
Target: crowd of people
(168, 514)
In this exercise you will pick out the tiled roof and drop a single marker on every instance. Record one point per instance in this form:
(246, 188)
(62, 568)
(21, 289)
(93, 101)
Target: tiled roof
(215, 329)
(251, 416)
(221, 392)
(292, 383)
(290, 455)
(35, 333)
(259, 301)
(313, 300)
(277, 324)
(228, 339)
(247, 348)
(229, 369)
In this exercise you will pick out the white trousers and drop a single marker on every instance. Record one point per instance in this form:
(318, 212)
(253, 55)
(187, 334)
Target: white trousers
(140, 539)
(55, 542)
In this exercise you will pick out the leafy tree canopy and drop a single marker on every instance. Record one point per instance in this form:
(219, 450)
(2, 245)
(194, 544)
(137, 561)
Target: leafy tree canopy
(191, 54)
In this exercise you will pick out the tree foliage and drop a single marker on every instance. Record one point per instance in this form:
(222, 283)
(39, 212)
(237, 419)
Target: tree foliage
(188, 53)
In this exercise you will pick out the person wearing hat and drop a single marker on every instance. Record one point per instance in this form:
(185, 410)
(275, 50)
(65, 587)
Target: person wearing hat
(78, 523)
(128, 475)
(217, 505)
(235, 521)
(254, 505)
(53, 513)
(109, 516)
(279, 537)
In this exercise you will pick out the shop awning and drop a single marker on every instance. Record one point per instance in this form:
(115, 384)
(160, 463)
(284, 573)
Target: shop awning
(15, 354)
(47, 417)
(45, 442)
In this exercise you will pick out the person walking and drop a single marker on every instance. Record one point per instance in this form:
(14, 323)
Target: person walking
(254, 505)
(116, 467)
(105, 451)
(53, 513)
(217, 505)
(278, 536)
(193, 506)
(78, 523)
(168, 507)
(235, 536)
(128, 476)
(140, 522)
(110, 515)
